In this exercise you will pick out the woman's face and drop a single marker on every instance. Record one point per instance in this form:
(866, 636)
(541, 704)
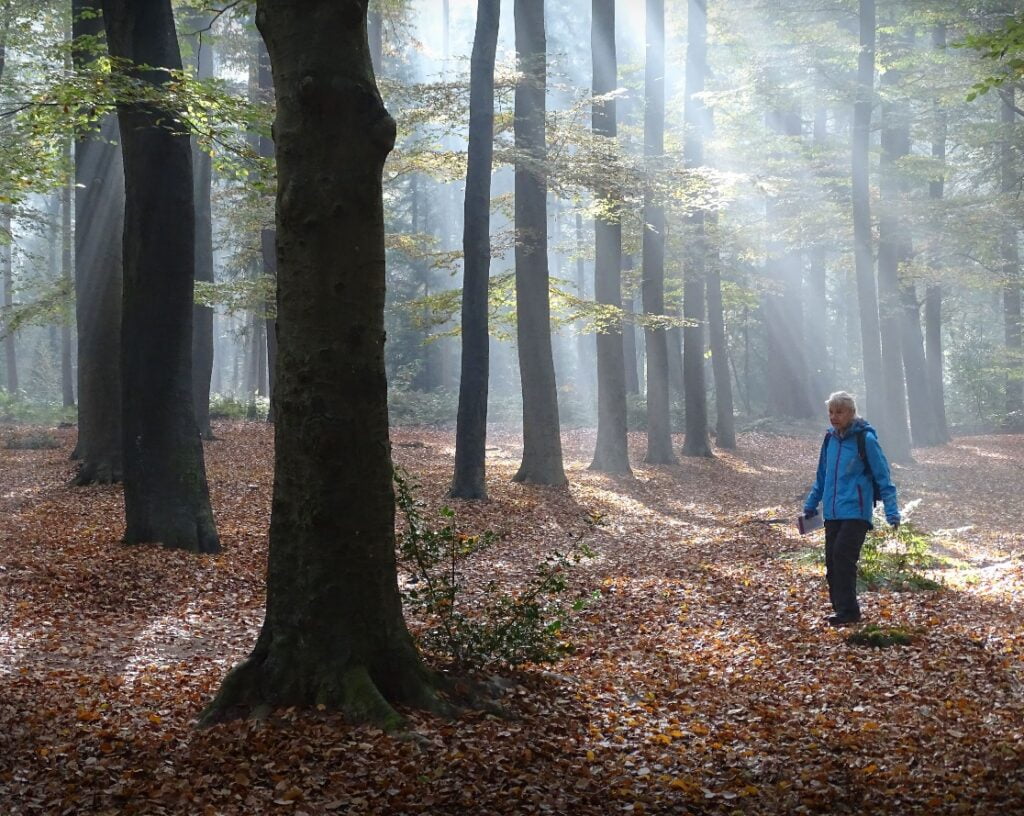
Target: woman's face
(840, 416)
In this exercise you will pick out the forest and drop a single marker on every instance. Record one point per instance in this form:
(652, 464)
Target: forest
(414, 406)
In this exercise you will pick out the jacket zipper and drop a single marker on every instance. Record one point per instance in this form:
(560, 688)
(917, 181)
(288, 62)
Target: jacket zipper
(835, 487)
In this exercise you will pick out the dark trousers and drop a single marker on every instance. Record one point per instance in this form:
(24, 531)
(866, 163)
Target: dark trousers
(843, 540)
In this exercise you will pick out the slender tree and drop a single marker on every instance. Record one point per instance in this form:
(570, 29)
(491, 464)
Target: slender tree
(7, 275)
(696, 442)
(867, 298)
(542, 443)
(725, 424)
(268, 233)
(611, 454)
(659, 426)
(1010, 184)
(469, 480)
(99, 220)
(166, 495)
(201, 62)
(333, 634)
(67, 373)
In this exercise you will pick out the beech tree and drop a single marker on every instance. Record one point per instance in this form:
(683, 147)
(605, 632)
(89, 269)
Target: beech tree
(333, 634)
(166, 497)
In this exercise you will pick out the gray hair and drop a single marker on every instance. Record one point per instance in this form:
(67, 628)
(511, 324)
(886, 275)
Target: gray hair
(842, 398)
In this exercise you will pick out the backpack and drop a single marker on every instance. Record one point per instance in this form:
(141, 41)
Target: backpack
(862, 453)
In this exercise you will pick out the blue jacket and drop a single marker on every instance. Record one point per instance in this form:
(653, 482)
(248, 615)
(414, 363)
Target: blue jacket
(842, 483)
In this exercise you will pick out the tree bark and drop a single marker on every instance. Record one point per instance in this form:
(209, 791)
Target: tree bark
(268, 234)
(166, 495)
(7, 274)
(867, 298)
(67, 372)
(611, 454)
(697, 442)
(542, 443)
(659, 424)
(202, 169)
(333, 634)
(99, 222)
(470, 477)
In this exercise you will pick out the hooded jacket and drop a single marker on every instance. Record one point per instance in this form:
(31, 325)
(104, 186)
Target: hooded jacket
(842, 483)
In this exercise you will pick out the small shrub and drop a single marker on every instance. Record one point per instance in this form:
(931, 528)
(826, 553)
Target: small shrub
(38, 440)
(881, 637)
(504, 627)
(223, 406)
(411, 407)
(17, 408)
(896, 560)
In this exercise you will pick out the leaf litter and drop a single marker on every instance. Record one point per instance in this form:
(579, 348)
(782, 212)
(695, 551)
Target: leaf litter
(703, 680)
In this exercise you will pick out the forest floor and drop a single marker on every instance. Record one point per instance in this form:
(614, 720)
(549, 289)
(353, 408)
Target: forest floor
(704, 680)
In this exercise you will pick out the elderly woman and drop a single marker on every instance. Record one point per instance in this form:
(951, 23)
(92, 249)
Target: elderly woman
(851, 469)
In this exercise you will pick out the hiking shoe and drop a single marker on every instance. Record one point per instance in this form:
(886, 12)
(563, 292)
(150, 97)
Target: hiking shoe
(843, 620)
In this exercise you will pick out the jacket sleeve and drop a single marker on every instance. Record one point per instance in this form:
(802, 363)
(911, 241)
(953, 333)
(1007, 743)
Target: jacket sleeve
(818, 488)
(880, 470)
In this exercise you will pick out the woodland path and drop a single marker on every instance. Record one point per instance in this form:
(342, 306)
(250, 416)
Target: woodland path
(704, 680)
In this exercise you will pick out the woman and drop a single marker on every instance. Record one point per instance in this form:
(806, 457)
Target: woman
(849, 470)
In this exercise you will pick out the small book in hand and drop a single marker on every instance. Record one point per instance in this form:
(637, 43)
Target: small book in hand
(809, 525)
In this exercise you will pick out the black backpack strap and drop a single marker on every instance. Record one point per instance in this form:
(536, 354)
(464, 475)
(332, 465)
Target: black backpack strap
(824, 446)
(863, 454)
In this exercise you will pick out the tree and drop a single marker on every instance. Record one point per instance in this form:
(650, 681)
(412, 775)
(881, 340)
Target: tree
(659, 427)
(469, 480)
(542, 443)
(197, 35)
(696, 442)
(99, 227)
(867, 299)
(268, 234)
(611, 454)
(1010, 185)
(725, 425)
(333, 634)
(166, 495)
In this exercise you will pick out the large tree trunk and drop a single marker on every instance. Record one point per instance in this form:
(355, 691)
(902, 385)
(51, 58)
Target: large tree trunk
(166, 495)
(611, 454)
(99, 228)
(725, 424)
(893, 250)
(696, 442)
(867, 298)
(542, 443)
(933, 293)
(333, 634)
(202, 169)
(469, 480)
(659, 425)
(1010, 167)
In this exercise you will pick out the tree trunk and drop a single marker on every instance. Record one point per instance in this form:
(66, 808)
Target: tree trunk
(611, 454)
(696, 442)
(542, 443)
(725, 424)
(202, 169)
(585, 363)
(99, 228)
(1010, 168)
(867, 299)
(816, 334)
(659, 424)
(893, 250)
(933, 293)
(166, 495)
(333, 634)
(7, 273)
(375, 32)
(67, 372)
(469, 480)
(268, 234)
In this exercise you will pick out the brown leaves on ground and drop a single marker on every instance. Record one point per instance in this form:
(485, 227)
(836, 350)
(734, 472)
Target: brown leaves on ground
(704, 679)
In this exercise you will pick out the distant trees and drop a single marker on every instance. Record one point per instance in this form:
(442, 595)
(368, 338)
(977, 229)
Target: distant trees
(166, 495)
(333, 634)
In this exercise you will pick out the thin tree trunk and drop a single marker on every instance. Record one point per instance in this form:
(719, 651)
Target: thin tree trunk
(867, 298)
(697, 442)
(7, 273)
(725, 424)
(659, 424)
(166, 495)
(470, 477)
(268, 233)
(611, 454)
(333, 634)
(67, 371)
(1010, 168)
(202, 168)
(542, 443)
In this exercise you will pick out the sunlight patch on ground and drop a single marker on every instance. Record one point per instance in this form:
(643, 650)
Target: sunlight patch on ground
(981, 452)
(13, 646)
